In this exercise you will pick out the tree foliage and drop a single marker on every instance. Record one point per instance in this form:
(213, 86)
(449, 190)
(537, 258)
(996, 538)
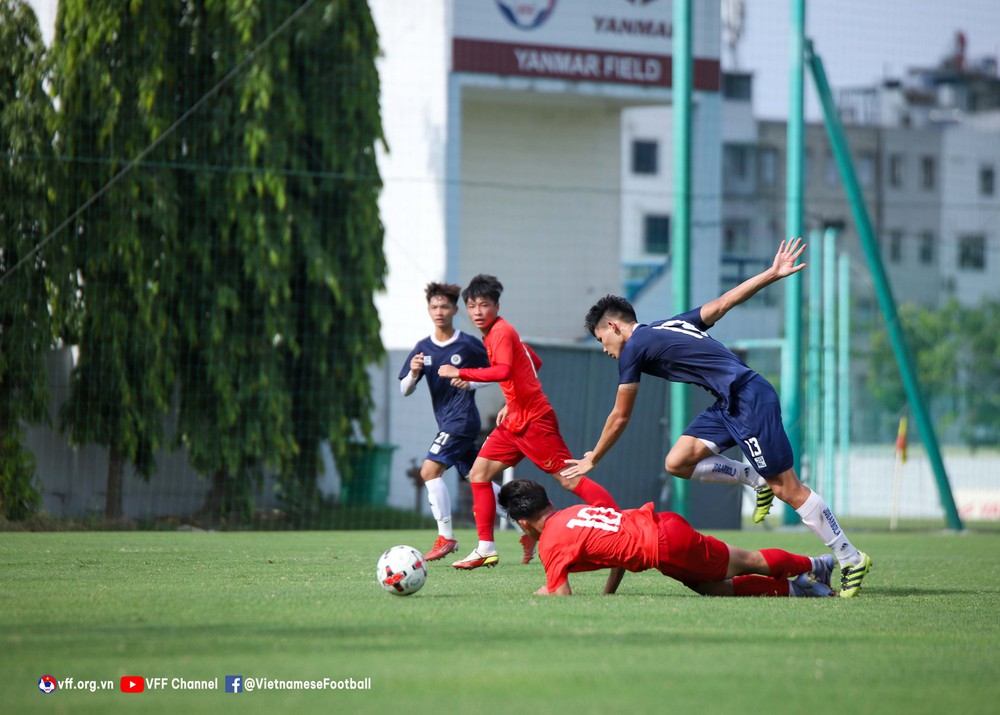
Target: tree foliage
(956, 350)
(25, 329)
(227, 243)
(108, 75)
(277, 321)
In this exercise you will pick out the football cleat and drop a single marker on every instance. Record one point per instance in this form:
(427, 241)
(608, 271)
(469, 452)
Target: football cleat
(823, 572)
(528, 544)
(805, 586)
(852, 576)
(442, 547)
(816, 582)
(476, 559)
(765, 497)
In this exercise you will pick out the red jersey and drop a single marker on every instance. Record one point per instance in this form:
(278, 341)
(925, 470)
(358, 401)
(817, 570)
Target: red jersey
(586, 538)
(515, 366)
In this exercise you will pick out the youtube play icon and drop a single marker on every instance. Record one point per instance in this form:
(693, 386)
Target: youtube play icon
(133, 684)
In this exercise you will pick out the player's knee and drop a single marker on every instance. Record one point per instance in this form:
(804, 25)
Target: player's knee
(678, 465)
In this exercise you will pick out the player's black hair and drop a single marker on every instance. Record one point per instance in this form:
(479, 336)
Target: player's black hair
(523, 499)
(608, 307)
(448, 290)
(483, 286)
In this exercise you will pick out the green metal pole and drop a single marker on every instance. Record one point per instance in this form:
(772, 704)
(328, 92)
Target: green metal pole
(791, 356)
(829, 362)
(883, 289)
(681, 239)
(844, 376)
(809, 460)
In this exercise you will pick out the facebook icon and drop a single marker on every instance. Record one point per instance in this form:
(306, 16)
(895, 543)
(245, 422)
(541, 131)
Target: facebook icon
(234, 683)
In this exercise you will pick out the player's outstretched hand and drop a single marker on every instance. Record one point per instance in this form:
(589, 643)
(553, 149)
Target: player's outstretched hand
(578, 467)
(784, 260)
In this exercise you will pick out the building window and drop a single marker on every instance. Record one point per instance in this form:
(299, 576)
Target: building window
(737, 86)
(896, 170)
(926, 248)
(645, 157)
(736, 161)
(830, 173)
(972, 252)
(657, 234)
(866, 169)
(927, 171)
(986, 181)
(736, 237)
(896, 246)
(768, 166)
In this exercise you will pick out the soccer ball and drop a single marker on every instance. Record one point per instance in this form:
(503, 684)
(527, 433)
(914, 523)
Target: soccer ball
(401, 570)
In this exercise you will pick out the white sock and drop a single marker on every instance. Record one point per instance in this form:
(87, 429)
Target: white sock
(718, 469)
(817, 516)
(440, 501)
(486, 547)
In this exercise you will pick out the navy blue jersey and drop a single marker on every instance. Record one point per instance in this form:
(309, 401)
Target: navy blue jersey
(454, 409)
(679, 350)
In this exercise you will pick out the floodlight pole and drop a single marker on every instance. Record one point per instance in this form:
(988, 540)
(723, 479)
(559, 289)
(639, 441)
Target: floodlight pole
(681, 234)
(883, 289)
(791, 356)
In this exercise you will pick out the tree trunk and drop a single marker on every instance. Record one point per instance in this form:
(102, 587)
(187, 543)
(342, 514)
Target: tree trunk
(116, 469)
(216, 496)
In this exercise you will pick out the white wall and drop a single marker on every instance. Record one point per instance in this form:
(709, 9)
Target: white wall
(413, 71)
(539, 207)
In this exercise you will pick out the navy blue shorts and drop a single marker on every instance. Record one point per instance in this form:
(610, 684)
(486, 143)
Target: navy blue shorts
(454, 451)
(753, 422)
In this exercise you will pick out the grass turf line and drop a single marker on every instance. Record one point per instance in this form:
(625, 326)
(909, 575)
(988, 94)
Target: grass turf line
(920, 638)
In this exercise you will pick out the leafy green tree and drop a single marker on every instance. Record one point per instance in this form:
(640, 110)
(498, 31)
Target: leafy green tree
(957, 354)
(979, 374)
(25, 329)
(111, 73)
(338, 261)
(283, 243)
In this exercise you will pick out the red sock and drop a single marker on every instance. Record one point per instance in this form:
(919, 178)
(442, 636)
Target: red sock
(760, 586)
(484, 508)
(784, 564)
(593, 493)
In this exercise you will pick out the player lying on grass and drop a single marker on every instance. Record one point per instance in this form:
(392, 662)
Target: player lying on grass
(600, 535)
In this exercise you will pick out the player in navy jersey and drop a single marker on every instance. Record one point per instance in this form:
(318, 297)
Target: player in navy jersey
(454, 404)
(746, 412)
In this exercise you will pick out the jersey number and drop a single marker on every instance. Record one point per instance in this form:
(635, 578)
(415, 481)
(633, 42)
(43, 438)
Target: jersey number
(596, 517)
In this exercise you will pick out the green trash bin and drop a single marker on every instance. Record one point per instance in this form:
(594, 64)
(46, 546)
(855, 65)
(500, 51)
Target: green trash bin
(370, 468)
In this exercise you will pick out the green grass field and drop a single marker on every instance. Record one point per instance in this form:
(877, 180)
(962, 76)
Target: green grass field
(921, 638)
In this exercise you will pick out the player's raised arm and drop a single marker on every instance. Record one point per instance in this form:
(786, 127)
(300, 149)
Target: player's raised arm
(782, 266)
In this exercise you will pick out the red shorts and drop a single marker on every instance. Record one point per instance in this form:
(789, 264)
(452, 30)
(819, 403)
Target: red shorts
(540, 442)
(689, 556)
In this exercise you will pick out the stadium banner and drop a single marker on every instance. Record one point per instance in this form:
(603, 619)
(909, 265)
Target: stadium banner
(619, 42)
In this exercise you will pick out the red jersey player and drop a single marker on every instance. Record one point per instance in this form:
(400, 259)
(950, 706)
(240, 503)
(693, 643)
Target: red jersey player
(526, 426)
(600, 535)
